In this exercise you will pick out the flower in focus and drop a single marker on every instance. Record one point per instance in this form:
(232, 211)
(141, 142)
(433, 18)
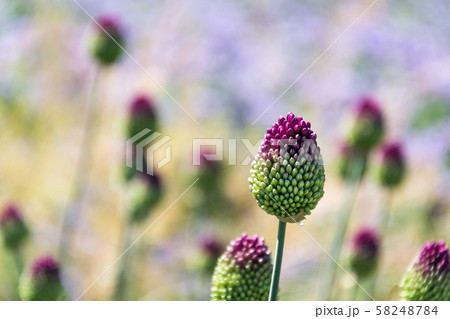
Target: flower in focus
(243, 272)
(42, 281)
(287, 175)
(107, 40)
(364, 256)
(428, 279)
(12, 227)
(367, 129)
(392, 168)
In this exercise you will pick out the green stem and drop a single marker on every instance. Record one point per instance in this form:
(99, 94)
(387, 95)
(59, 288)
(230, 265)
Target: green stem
(124, 270)
(383, 226)
(341, 229)
(355, 292)
(74, 207)
(277, 264)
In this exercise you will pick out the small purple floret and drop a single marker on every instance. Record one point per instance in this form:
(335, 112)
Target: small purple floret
(109, 24)
(368, 107)
(45, 266)
(211, 246)
(142, 105)
(247, 251)
(10, 213)
(434, 258)
(393, 152)
(366, 242)
(292, 129)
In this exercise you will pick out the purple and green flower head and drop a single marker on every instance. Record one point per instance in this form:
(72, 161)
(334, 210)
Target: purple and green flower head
(42, 282)
(150, 192)
(142, 115)
(364, 256)
(392, 166)
(243, 272)
(12, 227)
(428, 279)
(287, 176)
(107, 40)
(368, 128)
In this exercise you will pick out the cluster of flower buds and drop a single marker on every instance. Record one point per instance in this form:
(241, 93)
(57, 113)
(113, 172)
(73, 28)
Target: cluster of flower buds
(368, 128)
(12, 227)
(364, 255)
(243, 272)
(107, 40)
(42, 281)
(287, 175)
(392, 167)
(428, 279)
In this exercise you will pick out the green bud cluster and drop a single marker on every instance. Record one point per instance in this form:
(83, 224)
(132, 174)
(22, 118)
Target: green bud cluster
(243, 272)
(428, 279)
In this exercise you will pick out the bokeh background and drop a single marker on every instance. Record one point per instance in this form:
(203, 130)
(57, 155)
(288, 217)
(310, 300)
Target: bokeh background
(225, 62)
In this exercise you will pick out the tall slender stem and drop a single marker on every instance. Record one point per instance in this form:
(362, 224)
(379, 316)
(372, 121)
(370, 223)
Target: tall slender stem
(341, 229)
(74, 206)
(355, 292)
(273, 295)
(383, 226)
(124, 270)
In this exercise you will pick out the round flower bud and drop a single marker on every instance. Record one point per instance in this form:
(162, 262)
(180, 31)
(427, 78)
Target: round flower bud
(142, 115)
(107, 41)
(364, 256)
(287, 176)
(428, 279)
(368, 128)
(42, 281)
(12, 227)
(347, 160)
(243, 272)
(148, 196)
(392, 168)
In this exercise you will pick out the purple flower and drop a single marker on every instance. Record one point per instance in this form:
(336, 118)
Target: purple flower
(108, 40)
(142, 105)
(433, 258)
(392, 168)
(46, 267)
(292, 130)
(365, 249)
(367, 129)
(246, 251)
(428, 279)
(211, 246)
(10, 213)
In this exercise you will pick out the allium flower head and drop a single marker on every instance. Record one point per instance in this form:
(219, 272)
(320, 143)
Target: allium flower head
(392, 168)
(428, 279)
(367, 129)
(108, 36)
(364, 256)
(243, 272)
(205, 260)
(42, 281)
(142, 115)
(12, 227)
(287, 175)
